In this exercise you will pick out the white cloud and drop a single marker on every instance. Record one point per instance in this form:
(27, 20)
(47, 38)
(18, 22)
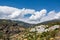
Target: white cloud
(57, 15)
(12, 13)
(50, 16)
(38, 14)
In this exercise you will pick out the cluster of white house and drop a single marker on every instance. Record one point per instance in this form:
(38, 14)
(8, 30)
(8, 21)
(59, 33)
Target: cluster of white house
(42, 28)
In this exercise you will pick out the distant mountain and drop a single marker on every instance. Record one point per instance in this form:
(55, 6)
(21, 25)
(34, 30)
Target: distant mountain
(2, 21)
(26, 25)
(51, 22)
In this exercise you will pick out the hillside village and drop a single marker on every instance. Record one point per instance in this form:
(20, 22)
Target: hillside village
(44, 28)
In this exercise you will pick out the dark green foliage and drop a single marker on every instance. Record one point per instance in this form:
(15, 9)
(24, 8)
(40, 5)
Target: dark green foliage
(1, 35)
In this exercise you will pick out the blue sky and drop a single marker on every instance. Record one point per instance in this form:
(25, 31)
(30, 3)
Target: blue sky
(30, 11)
(33, 4)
